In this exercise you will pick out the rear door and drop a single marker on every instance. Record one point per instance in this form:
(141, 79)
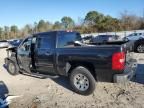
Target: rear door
(45, 53)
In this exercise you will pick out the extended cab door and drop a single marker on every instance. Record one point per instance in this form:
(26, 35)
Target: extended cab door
(45, 53)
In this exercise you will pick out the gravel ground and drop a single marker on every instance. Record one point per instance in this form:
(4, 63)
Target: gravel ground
(48, 93)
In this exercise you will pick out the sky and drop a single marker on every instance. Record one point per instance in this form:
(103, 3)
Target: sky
(22, 12)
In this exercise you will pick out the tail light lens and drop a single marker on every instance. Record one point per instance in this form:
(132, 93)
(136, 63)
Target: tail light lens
(118, 61)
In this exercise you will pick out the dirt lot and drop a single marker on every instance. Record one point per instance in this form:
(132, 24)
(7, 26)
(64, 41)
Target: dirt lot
(47, 93)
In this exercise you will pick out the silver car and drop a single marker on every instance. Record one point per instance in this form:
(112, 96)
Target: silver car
(3, 44)
(134, 36)
(104, 38)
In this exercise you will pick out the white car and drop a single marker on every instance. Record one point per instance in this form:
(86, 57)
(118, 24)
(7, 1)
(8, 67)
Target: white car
(3, 44)
(134, 36)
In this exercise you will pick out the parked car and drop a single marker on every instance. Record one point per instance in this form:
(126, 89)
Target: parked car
(87, 39)
(15, 42)
(61, 53)
(104, 38)
(134, 36)
(3, 44)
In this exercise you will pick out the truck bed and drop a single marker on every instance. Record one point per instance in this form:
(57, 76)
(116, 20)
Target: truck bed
(128, 46)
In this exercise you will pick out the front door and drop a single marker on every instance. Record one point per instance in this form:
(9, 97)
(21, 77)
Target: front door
(24, 55)
(45, 54)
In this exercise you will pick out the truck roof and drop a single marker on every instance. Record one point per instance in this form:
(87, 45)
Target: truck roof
(56, 31)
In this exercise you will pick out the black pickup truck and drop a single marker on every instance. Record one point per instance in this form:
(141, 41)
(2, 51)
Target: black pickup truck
(62, 53)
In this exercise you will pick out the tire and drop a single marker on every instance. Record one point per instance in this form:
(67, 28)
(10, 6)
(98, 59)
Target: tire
(82, 81)
(12, 68)
(140, 48)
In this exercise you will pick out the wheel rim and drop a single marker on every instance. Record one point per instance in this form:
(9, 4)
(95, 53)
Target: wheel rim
(81, 82)
(11, 68)
(140, 48)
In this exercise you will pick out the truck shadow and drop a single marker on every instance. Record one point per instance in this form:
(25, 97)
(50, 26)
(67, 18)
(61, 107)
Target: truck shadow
(3, 93)
(4, 66)
(139, 76)
(63, 81)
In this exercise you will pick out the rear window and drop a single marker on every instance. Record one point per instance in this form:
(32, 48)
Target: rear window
(68, 39)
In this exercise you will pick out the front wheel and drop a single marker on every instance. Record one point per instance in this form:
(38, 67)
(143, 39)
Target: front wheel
(12, 68)
(82, 81)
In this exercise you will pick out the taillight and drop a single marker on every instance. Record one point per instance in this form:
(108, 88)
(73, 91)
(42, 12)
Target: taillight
(118, 61)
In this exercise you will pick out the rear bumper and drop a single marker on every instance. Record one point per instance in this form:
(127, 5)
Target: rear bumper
(128, 74)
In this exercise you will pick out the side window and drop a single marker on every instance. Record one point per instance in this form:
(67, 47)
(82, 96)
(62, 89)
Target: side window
(133, 34)
(45, 42)
(26, 45)
(68, 39)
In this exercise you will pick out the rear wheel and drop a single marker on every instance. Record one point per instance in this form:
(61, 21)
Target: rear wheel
(12, 68)
(82, 81)
(140, 48)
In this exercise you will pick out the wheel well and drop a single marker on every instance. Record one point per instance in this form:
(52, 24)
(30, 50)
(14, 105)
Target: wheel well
(87, 65)
(14, 60)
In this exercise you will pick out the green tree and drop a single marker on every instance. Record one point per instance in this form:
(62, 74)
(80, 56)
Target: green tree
(41, 25)
(141, 22)
(67, 22)
(28, 29)
(48, 26)
(14, 31)
(109, 24)
(6, 31)
(1, 32)
(101, 23)
(44, 26)
(93, 19)
(57, 25)
(35, 27)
